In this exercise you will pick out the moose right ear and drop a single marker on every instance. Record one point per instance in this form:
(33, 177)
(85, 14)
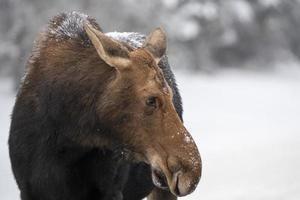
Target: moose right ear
(109, 50)
(156, 43)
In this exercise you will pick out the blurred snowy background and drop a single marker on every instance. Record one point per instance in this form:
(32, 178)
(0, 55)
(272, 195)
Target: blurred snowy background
(238, 70)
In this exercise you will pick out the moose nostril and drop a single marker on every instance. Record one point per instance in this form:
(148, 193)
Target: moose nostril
(159, 179)
(176, 189)
(177, 192)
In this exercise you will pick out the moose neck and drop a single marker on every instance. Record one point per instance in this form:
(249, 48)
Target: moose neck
(69, 75)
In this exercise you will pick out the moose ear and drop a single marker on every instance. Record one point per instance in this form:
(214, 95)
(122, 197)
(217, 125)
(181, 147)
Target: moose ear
(109, 50)
(156, 43)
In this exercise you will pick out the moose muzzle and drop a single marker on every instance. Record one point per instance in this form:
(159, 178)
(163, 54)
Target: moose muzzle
(176, 163)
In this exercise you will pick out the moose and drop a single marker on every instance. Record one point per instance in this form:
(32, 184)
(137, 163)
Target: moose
(99, 116)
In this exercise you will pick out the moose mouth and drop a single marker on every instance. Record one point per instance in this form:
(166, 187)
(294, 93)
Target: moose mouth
(159, 179)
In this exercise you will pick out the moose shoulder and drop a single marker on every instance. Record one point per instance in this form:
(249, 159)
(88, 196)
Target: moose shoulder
(99, 116)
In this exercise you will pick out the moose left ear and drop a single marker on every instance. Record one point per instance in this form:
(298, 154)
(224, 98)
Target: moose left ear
(109, 50)
(156, 43)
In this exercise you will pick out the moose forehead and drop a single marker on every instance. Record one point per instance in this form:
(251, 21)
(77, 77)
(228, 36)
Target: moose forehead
(142, 57)
(146, 64)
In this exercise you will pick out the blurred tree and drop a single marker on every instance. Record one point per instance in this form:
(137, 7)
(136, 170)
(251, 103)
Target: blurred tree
(290, 21)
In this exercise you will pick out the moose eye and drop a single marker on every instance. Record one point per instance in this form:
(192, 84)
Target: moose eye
(152, 102)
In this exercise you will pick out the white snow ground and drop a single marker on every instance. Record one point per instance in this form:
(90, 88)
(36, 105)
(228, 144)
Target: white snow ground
(246, 125)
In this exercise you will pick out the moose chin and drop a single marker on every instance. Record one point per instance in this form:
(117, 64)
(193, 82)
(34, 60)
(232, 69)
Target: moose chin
(99, 116)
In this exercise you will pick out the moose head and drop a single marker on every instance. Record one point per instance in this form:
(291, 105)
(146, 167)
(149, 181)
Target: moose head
(138, 101)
